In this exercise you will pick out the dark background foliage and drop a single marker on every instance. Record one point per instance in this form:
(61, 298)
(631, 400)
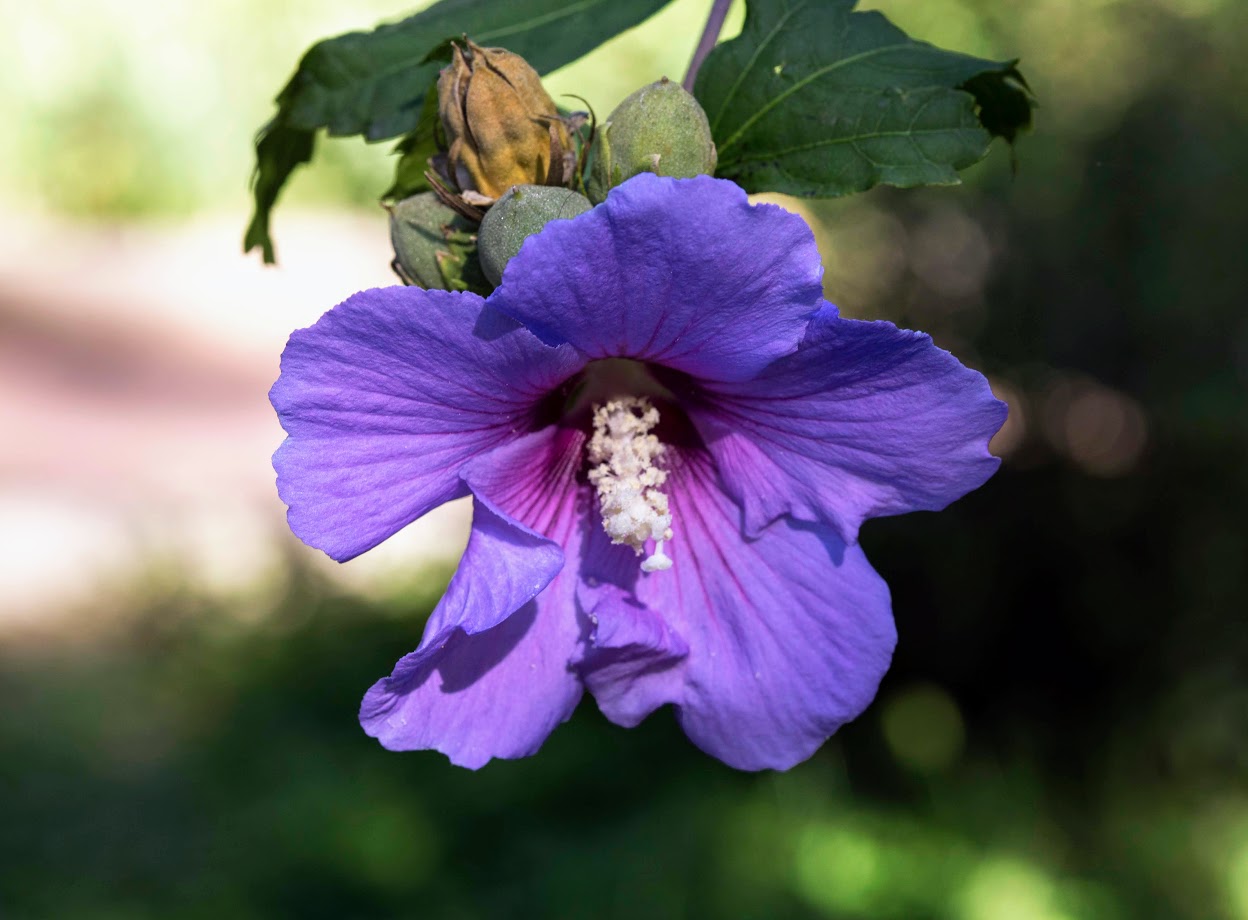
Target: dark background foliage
(1064, 732)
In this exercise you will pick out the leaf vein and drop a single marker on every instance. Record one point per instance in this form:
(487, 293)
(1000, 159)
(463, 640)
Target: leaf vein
(749, 65)
(553, 16)
(821, 72)
(853, 139)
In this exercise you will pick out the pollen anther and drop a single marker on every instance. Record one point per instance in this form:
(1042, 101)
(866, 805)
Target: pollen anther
(623, 454)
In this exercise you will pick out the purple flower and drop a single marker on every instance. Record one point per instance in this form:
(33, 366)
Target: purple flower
(670, 440)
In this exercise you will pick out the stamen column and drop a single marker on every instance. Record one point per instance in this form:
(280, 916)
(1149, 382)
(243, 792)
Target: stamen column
(623, 453)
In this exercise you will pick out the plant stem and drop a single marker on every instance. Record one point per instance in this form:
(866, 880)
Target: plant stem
(714, 25)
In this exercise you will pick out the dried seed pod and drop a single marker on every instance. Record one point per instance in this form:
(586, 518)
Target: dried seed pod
(502, 126)
(660, 129)
(520, 213)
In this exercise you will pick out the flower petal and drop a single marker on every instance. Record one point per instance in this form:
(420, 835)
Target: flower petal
(631, 662)
(504, 566)
(492, 675)
(499, 693)
(788, 635)
(682, 272)
(386, 397)
(864, 420)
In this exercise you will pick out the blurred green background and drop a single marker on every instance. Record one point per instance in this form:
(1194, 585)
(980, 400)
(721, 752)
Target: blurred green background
(1064, 732)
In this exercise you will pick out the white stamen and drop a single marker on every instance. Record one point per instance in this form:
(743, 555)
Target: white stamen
(624, 453)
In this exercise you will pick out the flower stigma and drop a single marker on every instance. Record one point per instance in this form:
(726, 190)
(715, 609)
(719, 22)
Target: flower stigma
(623, 454)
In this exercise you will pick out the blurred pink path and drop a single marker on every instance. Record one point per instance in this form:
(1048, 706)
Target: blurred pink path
(135, 428)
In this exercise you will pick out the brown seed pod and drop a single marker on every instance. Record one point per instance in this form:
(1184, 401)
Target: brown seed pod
(501, 126)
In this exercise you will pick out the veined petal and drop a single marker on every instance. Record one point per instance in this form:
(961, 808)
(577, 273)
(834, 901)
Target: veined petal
(384, 400)
(499, 693)
(631, 660)
(787, 635)
(504, 566)
(864, 420)
(492, 676)
(681, 272)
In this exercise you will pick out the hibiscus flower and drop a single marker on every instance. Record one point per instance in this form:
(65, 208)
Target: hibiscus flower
(670, 441)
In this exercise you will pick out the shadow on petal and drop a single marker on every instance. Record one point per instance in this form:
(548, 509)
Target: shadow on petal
(830, 539)
(460, 658)
(469, 658)
(491, 325)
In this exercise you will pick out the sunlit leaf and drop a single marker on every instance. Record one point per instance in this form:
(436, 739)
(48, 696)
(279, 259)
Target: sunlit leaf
(815, 99)
(417, 146)
(374, 83)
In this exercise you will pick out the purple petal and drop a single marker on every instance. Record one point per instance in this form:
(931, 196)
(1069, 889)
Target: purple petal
(788, 635)
(682, 272)
(386, 397)
(499, 693)
(864, 420)
(630, 665)
(504, 566)
(492, 676)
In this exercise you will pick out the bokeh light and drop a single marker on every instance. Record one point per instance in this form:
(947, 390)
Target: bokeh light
(923, 727)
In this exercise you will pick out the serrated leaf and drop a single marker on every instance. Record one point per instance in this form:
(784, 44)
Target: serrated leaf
(374, 83)
(817, 100)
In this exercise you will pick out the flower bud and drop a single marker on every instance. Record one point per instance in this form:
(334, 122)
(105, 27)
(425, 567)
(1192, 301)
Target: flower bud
(520, 213)
(659, 129)
(502, 127)
(434, 247)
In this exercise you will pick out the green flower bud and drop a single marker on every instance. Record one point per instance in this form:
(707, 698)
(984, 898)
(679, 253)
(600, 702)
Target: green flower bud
(659, 129)
(434, 247)
(520, 213)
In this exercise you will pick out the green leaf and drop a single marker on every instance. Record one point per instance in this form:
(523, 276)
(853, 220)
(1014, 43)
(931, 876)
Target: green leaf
(415, 150)
(817, 100)
(279, 149)
(375, 83)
